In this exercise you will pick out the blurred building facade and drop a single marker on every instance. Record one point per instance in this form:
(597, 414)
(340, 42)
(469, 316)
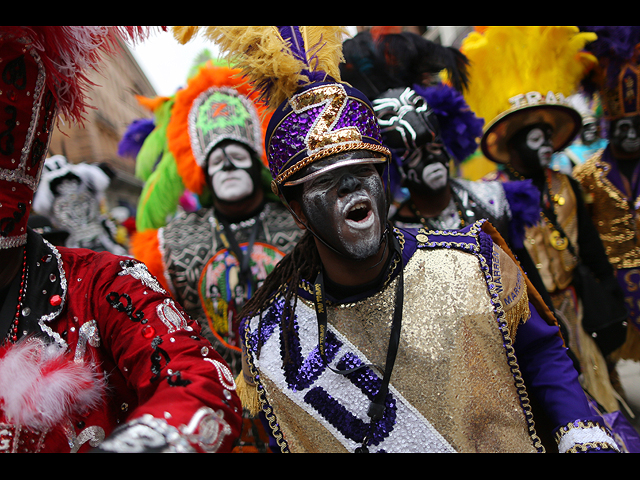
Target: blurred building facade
(115, 107)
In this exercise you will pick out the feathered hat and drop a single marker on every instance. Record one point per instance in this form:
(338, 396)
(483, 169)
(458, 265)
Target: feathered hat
(523, 75)
(296, 71)
(216, 105)
(617, 76)
(43, 74)
(387, 58)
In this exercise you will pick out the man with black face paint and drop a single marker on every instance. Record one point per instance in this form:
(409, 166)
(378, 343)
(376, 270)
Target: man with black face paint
(526, 124)
(370, 338)
(610, 179)
(346, 206)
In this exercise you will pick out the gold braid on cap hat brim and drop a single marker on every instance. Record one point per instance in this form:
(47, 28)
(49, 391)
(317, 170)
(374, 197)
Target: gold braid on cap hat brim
(327, 152)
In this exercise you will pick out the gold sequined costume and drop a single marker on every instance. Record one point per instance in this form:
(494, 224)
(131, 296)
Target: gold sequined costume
(614, 215)
(457, 384)
(556, 264)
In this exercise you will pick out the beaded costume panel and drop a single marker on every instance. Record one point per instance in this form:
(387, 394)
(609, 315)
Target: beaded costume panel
(455, 363)
(190, 241)
(552, 257)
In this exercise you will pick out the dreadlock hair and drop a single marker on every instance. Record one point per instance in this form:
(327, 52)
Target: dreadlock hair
(302, 263)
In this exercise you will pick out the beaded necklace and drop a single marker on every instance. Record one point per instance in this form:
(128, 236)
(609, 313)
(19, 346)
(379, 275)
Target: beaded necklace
(12, 335)
(556, 239)
(425, 222)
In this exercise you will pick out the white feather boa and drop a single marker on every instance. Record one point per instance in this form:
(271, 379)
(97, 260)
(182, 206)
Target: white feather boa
(41, 386)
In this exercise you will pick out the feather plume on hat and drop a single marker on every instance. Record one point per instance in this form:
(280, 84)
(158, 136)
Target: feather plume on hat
(294, 70)
(69, 53)
(277, 61)
(507, 61)
(510, 62)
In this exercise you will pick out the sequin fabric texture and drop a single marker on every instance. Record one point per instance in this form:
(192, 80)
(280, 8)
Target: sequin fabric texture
(289, 139)
(455, 365)
(613, 213)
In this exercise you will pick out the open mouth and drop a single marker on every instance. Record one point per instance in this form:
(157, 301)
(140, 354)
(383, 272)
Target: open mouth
(360, 215)
(358, 212)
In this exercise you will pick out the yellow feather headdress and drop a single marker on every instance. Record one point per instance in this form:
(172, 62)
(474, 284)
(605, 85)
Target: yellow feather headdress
(522, 74)
(276, 60)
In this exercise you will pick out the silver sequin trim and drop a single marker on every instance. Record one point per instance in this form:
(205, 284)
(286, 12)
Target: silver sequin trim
(139, 271)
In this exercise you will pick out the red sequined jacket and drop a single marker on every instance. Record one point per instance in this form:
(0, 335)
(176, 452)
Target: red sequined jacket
(107, 362)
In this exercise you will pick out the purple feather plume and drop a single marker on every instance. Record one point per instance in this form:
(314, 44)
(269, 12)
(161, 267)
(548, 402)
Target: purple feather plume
(296, 41)
(524, 201)
(616, 43)
(134, 137)
(304, 53)
(460, 127)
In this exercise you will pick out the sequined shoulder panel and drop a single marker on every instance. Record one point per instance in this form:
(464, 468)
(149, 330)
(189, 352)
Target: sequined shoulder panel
(503, 276)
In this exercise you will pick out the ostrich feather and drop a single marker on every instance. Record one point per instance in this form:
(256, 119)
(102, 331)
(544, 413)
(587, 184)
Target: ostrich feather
(277, 61)
(41, 386)
(506, 61)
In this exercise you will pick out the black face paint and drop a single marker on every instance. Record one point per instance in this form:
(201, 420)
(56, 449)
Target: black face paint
(347, 208)
(428, 170)
(625, 136)
(412, 132)
(589, 133)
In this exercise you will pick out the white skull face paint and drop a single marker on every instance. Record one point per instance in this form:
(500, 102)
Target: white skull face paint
(538, 141)
(228, 169)
(405, 120)
(411, 131)
(435, 176)
(532, 149)
(589, 133)
(347, 207)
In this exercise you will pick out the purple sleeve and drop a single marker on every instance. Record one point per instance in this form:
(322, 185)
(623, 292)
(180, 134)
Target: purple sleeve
(549, 373)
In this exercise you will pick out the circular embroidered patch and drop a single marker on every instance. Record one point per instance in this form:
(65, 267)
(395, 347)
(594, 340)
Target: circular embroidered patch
(223, 293)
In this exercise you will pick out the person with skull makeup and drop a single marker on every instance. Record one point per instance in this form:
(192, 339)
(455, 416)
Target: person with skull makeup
(212, 259)
(525, 127)
(95, 356)
(210, 134)
(355, 341)
(428, 127)
(610, 177)
(590, 141)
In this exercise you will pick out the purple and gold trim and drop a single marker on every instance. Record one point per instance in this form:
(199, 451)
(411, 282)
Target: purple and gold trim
(322, 120)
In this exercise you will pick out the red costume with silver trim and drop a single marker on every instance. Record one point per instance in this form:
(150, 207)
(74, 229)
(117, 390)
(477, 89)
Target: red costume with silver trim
(105, 322)
(95, 354)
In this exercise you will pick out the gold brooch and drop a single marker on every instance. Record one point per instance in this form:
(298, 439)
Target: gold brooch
(558, 242)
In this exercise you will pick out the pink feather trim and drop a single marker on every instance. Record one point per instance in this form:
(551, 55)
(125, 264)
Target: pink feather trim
(69, 53)
(41, 386)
